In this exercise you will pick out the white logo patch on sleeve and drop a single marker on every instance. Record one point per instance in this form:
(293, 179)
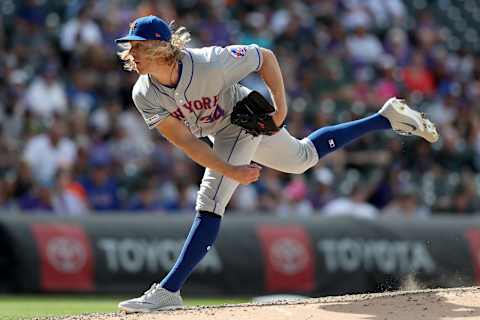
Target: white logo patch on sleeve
(238, 51)
(152, 119)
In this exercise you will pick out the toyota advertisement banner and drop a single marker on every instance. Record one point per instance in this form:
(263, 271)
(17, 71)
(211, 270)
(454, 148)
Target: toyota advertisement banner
(253, 255)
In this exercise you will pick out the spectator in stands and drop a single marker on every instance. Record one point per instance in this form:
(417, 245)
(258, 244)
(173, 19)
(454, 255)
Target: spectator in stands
(13, 107)
(417, 77)
(101, 187)
(355, 205)
(46, 94)
(269, 190)
(37, 200)
(145, 197)
(398, 46)
(385, 85)
(405, 205)
(256, 31)
(187, 193)
(128, 152)
(81, 91)
(69, 197)
(294, 201)
(363, 47)
(385, 13)
(181, 188)
(427, 31)
(356, 15)
(215, 29)
(79, 31)
(465, 200)
(455, 154)
(244, 199)
(321, 191)
(46, 153)
(443, 109)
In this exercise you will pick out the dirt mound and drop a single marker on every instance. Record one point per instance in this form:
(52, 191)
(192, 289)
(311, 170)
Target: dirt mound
(444, 304)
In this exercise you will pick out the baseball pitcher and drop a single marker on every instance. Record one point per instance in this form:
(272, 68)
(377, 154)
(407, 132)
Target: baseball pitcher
(188, 93)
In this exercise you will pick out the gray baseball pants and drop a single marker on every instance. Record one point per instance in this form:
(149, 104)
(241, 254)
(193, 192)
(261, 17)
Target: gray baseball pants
(281, 152)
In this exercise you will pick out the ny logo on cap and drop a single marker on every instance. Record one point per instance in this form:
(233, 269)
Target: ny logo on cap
(331, 142)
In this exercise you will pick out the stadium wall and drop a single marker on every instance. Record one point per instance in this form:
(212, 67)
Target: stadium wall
(254, 254)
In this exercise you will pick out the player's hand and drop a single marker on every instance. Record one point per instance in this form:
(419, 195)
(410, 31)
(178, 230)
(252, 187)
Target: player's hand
(245, 174)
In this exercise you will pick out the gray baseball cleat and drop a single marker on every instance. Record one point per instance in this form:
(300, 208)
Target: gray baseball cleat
(406, 121)
(154, 299)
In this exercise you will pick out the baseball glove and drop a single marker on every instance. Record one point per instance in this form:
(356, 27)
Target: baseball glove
(253, 113)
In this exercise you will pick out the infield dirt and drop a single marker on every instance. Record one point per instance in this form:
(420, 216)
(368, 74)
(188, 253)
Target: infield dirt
(444, 304)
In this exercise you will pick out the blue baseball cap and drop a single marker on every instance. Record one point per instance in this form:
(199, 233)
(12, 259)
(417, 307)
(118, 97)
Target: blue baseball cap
(147, 28)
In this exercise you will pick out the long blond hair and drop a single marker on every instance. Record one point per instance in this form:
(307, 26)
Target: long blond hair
(167, 52)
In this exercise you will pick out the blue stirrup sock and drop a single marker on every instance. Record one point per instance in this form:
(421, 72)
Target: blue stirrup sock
(201, 237)
(331, 138)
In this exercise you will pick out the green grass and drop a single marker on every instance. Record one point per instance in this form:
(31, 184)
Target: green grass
(13, 307)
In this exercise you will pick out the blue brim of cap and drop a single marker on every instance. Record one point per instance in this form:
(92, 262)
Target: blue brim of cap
(129, 38)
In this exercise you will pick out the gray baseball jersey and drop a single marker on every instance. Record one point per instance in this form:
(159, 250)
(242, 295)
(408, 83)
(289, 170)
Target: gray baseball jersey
(203, 99)
(206, 92)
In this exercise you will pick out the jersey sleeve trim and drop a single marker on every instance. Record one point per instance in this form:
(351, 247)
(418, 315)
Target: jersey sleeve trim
(188, 86)
(260, 59)
(191, 77)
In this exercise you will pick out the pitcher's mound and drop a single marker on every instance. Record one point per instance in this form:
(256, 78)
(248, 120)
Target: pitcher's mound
(444, 304)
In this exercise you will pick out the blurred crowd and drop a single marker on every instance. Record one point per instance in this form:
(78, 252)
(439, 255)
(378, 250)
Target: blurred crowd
(71, 141)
